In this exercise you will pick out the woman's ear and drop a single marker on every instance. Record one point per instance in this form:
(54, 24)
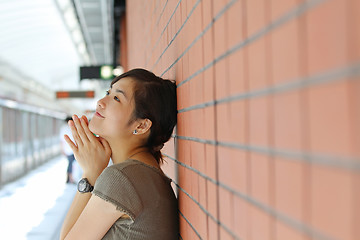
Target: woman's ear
(144, 126)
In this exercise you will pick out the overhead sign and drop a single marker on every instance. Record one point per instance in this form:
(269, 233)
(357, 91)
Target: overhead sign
(75, 94)
(104, 72)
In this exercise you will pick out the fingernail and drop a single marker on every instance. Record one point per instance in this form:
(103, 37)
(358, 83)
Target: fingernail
(75, 117)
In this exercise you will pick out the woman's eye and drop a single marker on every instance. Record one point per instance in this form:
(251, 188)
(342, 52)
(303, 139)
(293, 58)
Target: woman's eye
(117, 99)
(107, 93)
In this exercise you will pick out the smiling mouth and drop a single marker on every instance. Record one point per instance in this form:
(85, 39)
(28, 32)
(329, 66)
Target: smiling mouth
(99, 115)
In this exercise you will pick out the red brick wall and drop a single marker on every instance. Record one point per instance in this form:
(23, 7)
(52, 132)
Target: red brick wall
(267, 144)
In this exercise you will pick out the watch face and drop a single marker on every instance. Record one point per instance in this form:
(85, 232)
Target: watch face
(82, 185)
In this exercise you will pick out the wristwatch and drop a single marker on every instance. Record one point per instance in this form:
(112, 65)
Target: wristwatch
(84, 186)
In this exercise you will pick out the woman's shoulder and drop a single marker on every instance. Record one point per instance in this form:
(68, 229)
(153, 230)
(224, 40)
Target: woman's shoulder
(134, 167)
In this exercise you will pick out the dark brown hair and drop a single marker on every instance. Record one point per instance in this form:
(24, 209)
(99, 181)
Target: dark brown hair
(155, 99)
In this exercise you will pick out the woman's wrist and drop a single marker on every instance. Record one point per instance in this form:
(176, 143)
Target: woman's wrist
(90, 177)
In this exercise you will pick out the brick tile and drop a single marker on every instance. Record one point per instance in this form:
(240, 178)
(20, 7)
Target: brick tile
(208, 46)
(196, 59)
(183, 6)
(213, 229)
(285, 53)
(258, 121)
(202, 225)
(199, 156)
(233, 168)
(211, 164)
(220, 41)
(236, 73)
(194, 185)
(289, 188)
(356, 206)
(260, 224)
(207, 14)
(255, 16)
(212, 199)
(226, 213)
(234, 21)
(221, 80)
(178, 74)
(353, 29)
(354, 99)
(329, 117)
(331, 208)
(260, 177)
(198, 87)
(327, 36)
(257, 65)
(209, 85)
(183, 96)
(287, 114)
(238, 122)
(223, 122)
(202, 191)
(241, 217)
(209, 123)
(180, 121)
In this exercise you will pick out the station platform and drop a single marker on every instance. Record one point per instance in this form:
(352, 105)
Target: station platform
(34, 206)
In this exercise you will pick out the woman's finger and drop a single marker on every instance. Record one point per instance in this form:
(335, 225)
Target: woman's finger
(70, 143)
(80, 129)
(87, 131)
(105, 145)
(74, 132)
(85, 118)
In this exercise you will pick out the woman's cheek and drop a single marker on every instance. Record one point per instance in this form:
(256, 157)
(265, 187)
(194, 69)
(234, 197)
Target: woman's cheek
(92, 127)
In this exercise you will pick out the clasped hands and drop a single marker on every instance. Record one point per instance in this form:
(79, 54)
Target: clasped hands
(92, 153)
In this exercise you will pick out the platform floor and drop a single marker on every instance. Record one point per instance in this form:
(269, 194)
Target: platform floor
(34, 206)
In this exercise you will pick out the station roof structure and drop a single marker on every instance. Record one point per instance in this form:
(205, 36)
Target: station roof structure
(44, 42)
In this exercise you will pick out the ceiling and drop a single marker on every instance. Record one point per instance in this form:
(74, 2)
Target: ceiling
(46, 41)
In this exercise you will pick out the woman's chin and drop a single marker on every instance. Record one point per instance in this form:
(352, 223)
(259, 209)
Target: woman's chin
(92, 128)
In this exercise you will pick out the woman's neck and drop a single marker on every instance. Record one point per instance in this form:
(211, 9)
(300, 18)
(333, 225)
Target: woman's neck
(122, 152)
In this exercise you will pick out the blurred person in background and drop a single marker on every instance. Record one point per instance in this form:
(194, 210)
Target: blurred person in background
(66, 150)
(133, 198)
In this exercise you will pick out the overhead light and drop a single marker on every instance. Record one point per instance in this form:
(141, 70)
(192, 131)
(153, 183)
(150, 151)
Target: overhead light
(118, 71)
(106, 72)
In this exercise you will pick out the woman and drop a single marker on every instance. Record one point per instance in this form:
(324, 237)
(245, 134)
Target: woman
(131, 199)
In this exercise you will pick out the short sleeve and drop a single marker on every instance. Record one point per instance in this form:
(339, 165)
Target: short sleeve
(114, 186)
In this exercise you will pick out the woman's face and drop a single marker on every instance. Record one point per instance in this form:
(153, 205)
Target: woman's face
(114, 111)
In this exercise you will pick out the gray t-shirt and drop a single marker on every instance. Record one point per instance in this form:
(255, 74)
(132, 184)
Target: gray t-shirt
(144, 193)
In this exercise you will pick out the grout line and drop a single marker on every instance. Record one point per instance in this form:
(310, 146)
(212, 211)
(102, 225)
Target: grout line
(352, 164)
(190, 224)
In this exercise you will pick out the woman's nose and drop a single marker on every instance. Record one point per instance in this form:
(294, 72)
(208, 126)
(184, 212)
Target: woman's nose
(101, 103)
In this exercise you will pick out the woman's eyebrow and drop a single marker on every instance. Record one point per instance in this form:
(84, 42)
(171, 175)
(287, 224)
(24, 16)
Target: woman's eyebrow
(121, 91)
